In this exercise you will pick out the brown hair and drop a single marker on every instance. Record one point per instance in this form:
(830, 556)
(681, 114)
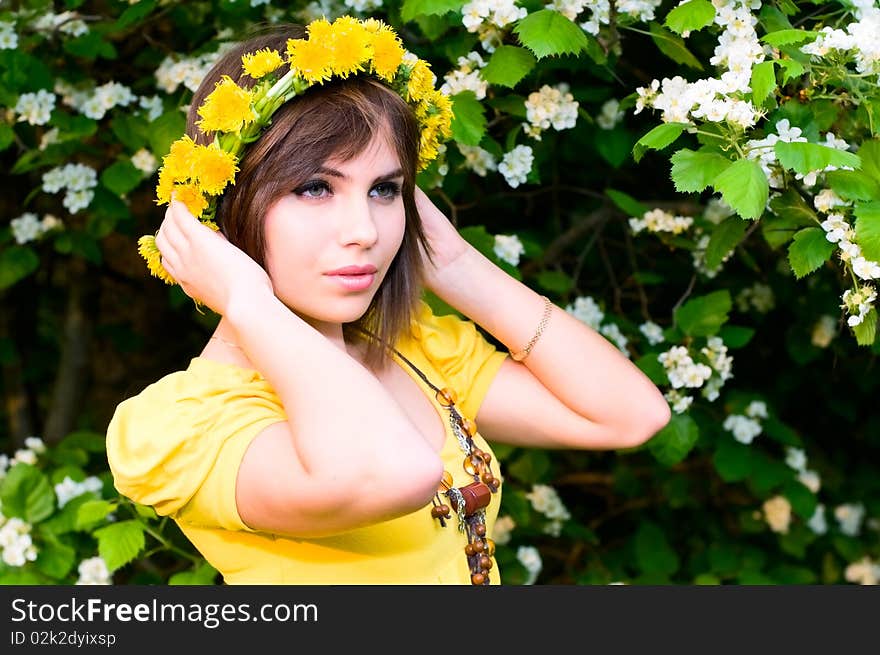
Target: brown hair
(335, 120)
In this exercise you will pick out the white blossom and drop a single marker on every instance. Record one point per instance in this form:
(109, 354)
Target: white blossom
(145, 161)
(586, 309)
(68, 489)
(94, 571)
(864, 572)
(26, 227)
(8, 37)
(530, 558)
(35, 108)
(504, 525)
(508, 248)
(817, 522)
(777, 512)
(811, 480)
(653, 332)
(550, 106)
(796, 458)
(610, 115)
(516, 165)
(744, 429)
(849, 518)
(823, 331)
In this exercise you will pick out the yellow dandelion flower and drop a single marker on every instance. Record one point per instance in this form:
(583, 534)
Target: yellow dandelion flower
(216, 168)
(320, 30)
(387, 53)
(443, 106)
(164, 188)
(148, 250)
(351, 46)
(191, 196)
(212, 225)
(260, 63)
(178, 162)
(373, 25)
(227, 108)
(421, 81)
(311, 59)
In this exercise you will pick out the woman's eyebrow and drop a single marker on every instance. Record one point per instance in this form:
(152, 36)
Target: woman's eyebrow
(398, 172)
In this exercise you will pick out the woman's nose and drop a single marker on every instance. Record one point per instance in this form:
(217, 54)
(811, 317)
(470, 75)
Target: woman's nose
(357, 224)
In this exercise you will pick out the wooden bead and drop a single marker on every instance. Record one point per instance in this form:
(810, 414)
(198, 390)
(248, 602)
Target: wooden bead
(480, 529)
(469, 550)
(478, 578)
(488, 478)
(478, 546)
(485, 563)
(487, 457)
(437, 511)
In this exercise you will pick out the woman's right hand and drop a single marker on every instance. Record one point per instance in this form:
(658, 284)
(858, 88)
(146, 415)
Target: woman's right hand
(203, 262)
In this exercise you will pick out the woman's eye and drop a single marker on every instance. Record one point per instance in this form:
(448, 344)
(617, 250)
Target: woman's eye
(386, 190)
(315, 189)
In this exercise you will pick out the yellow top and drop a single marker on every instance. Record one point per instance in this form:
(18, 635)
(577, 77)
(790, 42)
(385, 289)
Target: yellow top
(177, 446)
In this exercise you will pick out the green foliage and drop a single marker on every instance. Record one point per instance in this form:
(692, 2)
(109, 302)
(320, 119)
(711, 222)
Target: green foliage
(809, 250)
(689, 16)
(695, 170)
(548, 33)
(508, 66)
(469, 123)
(658, 138)
(703, 316)
(806, 157)
(673, 443)
(744, 187)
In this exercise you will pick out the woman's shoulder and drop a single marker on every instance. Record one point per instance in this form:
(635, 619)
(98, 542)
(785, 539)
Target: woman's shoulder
(162, 441)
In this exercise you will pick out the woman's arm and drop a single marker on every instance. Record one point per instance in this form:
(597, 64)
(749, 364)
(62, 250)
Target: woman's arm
(347, 455)
(574, 390)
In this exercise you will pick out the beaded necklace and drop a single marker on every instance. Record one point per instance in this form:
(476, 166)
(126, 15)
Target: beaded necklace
(469, 501)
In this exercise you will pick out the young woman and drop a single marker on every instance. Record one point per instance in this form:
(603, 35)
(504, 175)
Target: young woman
(334, 430)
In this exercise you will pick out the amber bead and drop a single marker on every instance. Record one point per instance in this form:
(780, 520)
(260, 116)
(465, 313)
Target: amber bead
(489, 479)
(478, 578)
(478, 546)
(445, 482)
(485, 563)
(469, 550)
(469, 426)
(446, 397)
(487, 457)
(490, 547)
(480, 529)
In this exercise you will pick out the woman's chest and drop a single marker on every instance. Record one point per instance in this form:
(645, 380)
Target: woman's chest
(415, 403)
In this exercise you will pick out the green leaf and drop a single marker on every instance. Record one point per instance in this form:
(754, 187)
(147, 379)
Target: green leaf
(468, 120)
(93, 512)
(55, 559)
(853, 185)
(119, 543)
(652, 550)
(673, 443)
(530, 467)
(203, 574)
(763, 81)
(744, 187)
(165, 130)
(804, 158)
(792, 212)
(549, 33)
(791, 69)
(134, 14)
(508, 65)
(556, 281)
(788, 37)
(26, 493)
(93, 442)
(673, 46)
(803, 501)
(736, 336)
(725, 237)
(868, 229)
(869, 153)
(703, 316)
(866, 331)
(692, 171)
(121, 177)
(510, 104)
(413, 8)
(16, 263)
(613, 145)
(479, 238)
(690, 16)
(90, 46)
(779, 431)
(7, 136)
(132, 131)
(732, 460)
(809, 250)
(658, 138)
(651, 366)
(626, 203)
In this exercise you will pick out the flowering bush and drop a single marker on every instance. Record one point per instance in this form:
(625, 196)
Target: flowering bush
(697, 181)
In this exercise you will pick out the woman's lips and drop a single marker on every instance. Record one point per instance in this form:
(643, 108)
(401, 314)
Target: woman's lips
(354, 282)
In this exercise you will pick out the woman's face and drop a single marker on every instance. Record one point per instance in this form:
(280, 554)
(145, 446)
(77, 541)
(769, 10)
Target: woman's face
(349, 214)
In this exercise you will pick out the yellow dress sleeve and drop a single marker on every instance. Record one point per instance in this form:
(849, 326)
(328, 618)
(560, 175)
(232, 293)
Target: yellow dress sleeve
(177, 445)
(462, 355)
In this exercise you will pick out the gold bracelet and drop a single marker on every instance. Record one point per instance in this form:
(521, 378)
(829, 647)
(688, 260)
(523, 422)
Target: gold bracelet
(520, 356)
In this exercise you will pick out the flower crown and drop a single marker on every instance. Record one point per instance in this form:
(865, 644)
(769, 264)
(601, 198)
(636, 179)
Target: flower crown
(237, 116)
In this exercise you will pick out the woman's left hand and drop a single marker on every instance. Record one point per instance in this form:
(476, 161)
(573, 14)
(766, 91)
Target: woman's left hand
(447, 244)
